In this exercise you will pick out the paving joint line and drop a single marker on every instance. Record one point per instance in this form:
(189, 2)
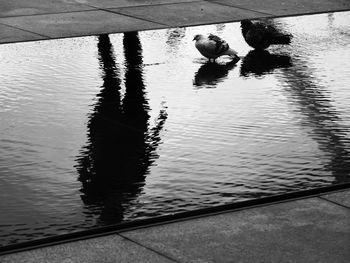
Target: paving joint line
(25, 30)
(238, 7)
(333, 202)
(146, 5)
(148, 248)
(178, 3)
(306, 13)
(135, 17)
(51, 13)
(109, 10)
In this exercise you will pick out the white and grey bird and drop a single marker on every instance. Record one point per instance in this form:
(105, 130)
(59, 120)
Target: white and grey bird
(213, 47)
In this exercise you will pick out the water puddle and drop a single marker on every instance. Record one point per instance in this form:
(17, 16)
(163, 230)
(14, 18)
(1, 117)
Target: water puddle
(100, 130)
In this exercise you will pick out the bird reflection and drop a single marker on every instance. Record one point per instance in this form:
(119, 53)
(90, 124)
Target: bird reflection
(210, 74)
(261, 62)
(121, 146)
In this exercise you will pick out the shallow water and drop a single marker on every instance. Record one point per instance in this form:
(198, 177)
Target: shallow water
(99, 130)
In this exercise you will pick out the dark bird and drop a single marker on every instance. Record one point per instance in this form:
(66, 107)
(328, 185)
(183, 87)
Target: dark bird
(259, 35)
(213, 47)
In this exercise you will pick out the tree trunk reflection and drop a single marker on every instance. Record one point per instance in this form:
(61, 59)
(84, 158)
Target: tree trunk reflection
(121, 146)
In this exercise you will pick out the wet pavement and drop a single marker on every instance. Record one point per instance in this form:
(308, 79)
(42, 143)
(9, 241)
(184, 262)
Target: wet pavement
(314, 229)
(38, 20)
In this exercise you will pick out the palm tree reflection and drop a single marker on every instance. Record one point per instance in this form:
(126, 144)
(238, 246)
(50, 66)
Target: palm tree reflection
(121, 146)
(320, 118)
(261, 62)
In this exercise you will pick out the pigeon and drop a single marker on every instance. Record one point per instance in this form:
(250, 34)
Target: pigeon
(260, 36)
(213, 47)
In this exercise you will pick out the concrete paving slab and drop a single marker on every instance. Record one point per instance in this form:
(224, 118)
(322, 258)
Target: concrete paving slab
(127, 3)
(34, 7)
(342, 198)
(184, 14)
(78, 23)
(11, 34)
(102, 250)
(309, 230)
(285, 7)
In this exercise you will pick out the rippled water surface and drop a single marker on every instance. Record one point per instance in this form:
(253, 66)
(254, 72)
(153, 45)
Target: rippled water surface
(99, 130)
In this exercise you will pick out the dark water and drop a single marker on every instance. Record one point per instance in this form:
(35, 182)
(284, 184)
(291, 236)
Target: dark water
(98, 130)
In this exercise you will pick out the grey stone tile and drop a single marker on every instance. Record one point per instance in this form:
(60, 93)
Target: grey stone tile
(310, 230)
(10, 34)
(102, 250)
(342, 198)
(286, 7)
(78, 23)
(126, 3)
(185, 14)
(32, 7)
